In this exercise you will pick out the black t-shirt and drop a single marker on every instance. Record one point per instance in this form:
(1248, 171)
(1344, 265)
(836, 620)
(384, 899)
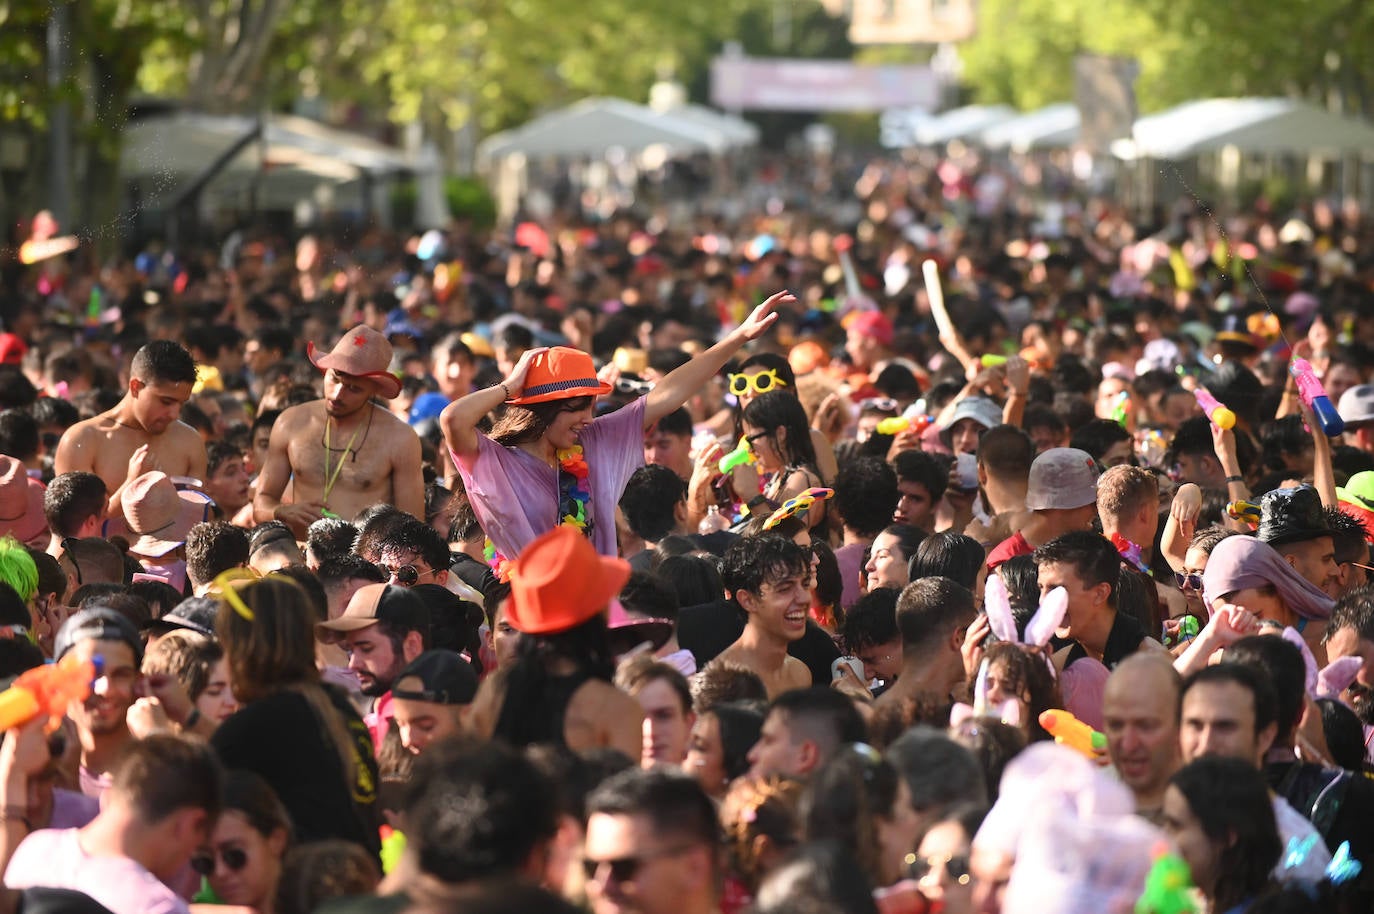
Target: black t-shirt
(708, 629)
(281, 738)
(1122, 641)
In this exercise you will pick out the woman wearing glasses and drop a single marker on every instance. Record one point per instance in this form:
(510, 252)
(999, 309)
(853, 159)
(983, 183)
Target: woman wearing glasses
(764, 373)
(550, 460)
(243, 859)
(942, 860)
(784, 461)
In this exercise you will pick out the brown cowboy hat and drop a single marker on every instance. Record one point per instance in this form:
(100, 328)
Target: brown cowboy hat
(160, 514)
(363, 353)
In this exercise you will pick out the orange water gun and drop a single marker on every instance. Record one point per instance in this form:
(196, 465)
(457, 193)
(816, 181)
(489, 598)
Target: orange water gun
(47, 690)
(895, 425)
(1068, 730)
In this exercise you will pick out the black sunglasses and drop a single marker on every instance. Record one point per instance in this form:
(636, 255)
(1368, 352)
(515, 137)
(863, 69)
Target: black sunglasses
(405, 575)
(1190, 581)
(956, 866)
(235, 858)
(625, 869)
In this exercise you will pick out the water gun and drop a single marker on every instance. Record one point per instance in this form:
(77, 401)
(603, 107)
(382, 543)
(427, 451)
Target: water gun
(1168, 885)
(393, 846)
(1068, 730)
(1120, 408)
(992, 361)
(1314, 395)
(738, 457)
(47, 690)
(1243, 510)
(1188, 629)
(895, 425)
(1221, 417)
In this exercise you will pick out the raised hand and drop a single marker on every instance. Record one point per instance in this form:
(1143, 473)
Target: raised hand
(763, 317)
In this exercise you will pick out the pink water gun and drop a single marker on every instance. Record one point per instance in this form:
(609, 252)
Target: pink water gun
(1314, 395)
(1221, 417)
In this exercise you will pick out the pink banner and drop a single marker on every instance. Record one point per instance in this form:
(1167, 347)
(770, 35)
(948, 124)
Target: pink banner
(760, 84)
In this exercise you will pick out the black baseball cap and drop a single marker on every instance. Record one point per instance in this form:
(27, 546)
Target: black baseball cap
(195, 614)
(445, 678)
(99, 623)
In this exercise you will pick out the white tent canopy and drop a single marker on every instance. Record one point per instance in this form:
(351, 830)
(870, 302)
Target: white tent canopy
(594, 126)
(964, 123)
(1251, 125)
(1052, 127)
(736, 130)
(186, 143)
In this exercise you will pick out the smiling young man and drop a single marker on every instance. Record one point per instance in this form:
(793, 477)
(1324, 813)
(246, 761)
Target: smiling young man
(769, 578)
(143, 432)
(382, 629)
(343, 453)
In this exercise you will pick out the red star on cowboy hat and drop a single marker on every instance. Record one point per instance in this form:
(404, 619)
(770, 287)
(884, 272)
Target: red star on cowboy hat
(360, 340)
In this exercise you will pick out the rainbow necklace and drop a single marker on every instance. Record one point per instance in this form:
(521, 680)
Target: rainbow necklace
(574, 504)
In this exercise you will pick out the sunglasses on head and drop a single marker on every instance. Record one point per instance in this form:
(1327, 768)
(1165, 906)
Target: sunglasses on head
(761, 383)
(625, 869)
(234, 858)
(880, 404)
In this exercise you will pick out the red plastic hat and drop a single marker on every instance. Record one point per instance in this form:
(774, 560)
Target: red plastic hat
(560, 373)
(363, 353)
(559, 582)
(12, 349)
(874, 325)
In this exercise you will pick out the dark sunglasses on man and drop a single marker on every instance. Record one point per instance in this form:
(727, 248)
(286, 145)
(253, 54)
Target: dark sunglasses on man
(234, 858)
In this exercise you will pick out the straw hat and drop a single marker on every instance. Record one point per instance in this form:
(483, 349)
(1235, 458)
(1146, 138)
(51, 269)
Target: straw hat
(161, 515)
(21, 501)
(560, 373)
(363, 353)
(559, 582)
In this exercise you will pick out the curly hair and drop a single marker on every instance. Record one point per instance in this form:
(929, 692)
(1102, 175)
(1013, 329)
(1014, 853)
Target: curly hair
(758, 808)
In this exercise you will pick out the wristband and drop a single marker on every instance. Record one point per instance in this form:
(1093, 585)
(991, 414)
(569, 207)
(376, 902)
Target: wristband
(504, 389)
(1231, 479)
(16, 814)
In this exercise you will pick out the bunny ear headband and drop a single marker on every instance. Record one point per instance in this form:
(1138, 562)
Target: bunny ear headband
(1331, 680)
(1039, 630)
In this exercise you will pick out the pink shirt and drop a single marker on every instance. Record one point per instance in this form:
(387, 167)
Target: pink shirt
(515, 495)
(54, 858)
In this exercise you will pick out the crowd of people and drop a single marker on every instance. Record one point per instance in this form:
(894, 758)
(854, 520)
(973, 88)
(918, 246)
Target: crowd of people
(724, 565)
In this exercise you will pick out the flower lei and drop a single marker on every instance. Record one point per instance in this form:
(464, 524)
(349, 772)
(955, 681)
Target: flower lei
(574, 503)
(1130, 552)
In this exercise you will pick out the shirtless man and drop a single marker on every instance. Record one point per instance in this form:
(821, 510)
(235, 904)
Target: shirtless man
(769, 578)
(142, 433)
(343, 453)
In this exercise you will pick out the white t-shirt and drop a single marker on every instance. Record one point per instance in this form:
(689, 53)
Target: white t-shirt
(53, 858)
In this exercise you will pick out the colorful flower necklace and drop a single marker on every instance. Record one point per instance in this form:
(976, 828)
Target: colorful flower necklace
(574, 504)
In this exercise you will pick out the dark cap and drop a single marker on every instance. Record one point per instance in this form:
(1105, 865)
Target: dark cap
(194, 614)
(99, 623)
(1291, 516)
(396, 606)
(445, 679)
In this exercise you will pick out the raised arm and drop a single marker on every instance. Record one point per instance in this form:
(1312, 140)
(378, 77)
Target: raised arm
(407, 476)
(459, 419)
(679, 386)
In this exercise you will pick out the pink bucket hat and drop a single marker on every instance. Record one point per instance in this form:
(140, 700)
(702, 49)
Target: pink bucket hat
(363, 353)
(161, 515)
(21, 501)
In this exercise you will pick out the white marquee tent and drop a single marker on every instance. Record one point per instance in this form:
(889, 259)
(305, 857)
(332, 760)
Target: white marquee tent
(1250, 125)
(1052, 127)
(964, 123)
(594, 126)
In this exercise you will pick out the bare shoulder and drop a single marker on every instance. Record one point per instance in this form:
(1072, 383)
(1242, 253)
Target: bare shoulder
(294, 418)
(181, 434)
(385, 418)
(797, 674)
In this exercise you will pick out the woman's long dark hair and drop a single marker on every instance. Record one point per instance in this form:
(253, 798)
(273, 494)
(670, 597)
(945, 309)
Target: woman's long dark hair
(532, 712)
(845, 799)
(781, 409)
(739, 725)
(1230, 799)
(519, 425)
